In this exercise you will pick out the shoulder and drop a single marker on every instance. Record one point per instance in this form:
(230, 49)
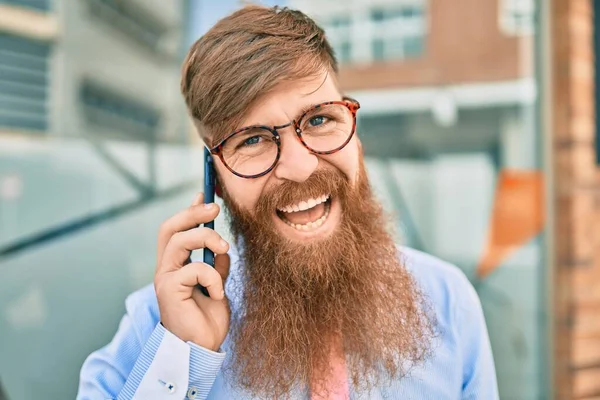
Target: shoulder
(445, 285)
(432, 272)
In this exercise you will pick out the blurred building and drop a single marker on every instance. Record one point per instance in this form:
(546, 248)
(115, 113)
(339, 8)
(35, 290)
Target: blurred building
(94, 154)
(91, 68)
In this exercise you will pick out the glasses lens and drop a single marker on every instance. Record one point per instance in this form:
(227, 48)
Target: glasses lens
(327, 128)
(250, 152)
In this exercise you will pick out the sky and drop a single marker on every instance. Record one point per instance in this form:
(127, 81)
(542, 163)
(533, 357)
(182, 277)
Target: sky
(204, 13)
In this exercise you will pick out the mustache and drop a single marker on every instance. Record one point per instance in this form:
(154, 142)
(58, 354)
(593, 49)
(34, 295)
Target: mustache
(323, 181)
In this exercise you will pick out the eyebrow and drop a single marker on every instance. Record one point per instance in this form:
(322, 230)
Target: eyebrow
(303, 110)
(299, 114)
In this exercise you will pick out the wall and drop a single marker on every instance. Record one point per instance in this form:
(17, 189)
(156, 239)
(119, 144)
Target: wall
(91, 48)
(577, 269)
(461, 47)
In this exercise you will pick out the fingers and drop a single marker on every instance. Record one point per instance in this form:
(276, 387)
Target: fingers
(185, 280)
(199, 273)
(198, 199)
(177, 251)
(222, 265)
(197, 214)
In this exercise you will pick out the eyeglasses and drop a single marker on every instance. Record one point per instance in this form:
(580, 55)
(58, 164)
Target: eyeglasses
(253, 151)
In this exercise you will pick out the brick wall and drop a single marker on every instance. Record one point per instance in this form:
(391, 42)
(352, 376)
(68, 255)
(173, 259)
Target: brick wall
(461, 47)
(577, 278)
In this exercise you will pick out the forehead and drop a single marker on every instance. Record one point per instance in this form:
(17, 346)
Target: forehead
(288, 99)
(282, 104)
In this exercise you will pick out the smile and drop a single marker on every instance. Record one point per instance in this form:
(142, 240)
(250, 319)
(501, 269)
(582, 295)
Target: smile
(306, 215)
(309, 218)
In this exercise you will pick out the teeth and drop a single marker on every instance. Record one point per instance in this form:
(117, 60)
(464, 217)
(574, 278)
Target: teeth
(304, 205)
(311, 225)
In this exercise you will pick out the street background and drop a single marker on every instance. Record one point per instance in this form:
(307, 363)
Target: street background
(96, 150)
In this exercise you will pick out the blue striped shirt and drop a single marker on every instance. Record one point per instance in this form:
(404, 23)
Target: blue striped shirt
(145, 361)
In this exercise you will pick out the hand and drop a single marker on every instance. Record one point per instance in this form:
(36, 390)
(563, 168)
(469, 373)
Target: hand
(184, 310)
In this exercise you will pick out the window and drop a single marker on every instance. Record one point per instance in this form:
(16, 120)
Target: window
(517, 16)
(121, 114)
(344, 51)
(398, 33)
(136, 23)
(41, 5)
(338, 34)
(23, 83)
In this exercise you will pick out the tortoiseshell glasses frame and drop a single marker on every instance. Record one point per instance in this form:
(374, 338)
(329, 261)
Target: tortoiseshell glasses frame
(349, 103)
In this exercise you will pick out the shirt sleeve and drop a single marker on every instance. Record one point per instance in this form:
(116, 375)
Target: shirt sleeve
(161, 368)
(479, 372)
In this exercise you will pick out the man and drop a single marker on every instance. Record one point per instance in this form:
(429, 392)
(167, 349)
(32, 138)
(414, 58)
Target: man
(315, 300)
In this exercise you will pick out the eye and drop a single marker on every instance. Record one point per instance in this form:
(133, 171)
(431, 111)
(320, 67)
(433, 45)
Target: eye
(252, 140)
(318, 120)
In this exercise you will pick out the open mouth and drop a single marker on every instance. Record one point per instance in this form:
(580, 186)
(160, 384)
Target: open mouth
(306, 215)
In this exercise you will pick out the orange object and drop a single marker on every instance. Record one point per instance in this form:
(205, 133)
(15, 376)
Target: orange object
(517, 216)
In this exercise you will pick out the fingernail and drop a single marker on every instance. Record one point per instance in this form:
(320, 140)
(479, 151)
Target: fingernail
(223, 243)
(208, 205)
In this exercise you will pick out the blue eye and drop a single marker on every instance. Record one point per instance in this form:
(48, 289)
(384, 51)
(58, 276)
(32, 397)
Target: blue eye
(252, 140)
(316, 121)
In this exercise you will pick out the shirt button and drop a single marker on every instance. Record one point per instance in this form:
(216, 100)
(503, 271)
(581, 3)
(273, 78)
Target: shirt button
(192, 392)
(170, 387)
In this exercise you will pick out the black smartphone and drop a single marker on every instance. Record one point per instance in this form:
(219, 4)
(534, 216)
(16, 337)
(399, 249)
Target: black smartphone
(209, 197)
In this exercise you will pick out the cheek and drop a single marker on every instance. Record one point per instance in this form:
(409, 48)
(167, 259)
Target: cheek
(244, 192)
(347, 160)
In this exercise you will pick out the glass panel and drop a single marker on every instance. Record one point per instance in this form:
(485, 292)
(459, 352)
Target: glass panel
(344, 53)
(414, 46)
(24, 46)
(135, 22)
(378, 49)
(80, 204)
(42, 5)
(23, 81)
(22, 60)
(107, 108)
(395, 32)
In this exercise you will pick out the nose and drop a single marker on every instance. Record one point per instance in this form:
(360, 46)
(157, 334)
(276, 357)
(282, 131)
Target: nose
(296, 162)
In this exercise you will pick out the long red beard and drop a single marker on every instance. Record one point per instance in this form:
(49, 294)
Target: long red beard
(298, 297)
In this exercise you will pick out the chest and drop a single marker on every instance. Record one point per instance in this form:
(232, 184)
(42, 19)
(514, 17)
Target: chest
(438, 378)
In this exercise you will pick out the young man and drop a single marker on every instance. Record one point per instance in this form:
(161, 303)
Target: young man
(315, 300)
